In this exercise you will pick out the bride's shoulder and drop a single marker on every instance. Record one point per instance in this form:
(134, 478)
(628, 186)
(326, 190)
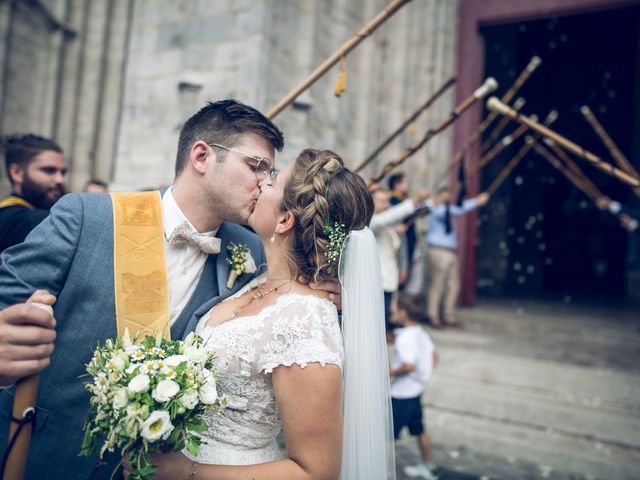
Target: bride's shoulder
(303, 300)
(303, 293)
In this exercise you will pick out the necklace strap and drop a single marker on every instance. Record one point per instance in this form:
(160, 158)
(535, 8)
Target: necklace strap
(259, 295)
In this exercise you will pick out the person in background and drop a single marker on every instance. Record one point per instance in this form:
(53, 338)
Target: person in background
(385, 218)
(36, 168)
(399, 186)
(414, 357)
(95, 186)
(442, 242)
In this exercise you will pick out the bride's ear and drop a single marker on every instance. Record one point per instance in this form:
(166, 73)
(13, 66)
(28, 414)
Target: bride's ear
(286, 222)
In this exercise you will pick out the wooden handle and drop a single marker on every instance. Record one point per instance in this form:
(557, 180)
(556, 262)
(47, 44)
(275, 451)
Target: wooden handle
(367, 30)
(23, 402)
(497, 106)
(407, 122)
(487, 87)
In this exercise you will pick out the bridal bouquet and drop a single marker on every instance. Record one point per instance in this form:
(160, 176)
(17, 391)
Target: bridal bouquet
(148, 396)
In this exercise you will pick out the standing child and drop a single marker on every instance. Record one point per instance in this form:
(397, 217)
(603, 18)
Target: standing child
(414, 356)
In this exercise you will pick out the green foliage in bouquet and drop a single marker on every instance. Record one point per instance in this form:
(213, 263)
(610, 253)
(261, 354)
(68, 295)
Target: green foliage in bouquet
(148, 396)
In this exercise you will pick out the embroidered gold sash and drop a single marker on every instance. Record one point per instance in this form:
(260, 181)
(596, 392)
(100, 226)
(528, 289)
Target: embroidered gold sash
(139, 266)
(11, 201)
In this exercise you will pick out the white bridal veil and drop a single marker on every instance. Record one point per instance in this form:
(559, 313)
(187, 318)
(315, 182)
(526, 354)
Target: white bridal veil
(368, 446)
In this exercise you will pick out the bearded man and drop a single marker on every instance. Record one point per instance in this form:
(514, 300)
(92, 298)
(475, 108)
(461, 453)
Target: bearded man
(36, 169)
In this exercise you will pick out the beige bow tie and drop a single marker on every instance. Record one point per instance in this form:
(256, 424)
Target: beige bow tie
(185, 235)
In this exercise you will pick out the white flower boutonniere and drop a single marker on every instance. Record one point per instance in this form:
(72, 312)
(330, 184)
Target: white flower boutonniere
(241, 262)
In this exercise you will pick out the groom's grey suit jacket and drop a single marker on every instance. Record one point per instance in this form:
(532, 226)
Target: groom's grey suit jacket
(70, 254)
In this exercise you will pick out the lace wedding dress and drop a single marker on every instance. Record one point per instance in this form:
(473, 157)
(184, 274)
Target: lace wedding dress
(297, 329)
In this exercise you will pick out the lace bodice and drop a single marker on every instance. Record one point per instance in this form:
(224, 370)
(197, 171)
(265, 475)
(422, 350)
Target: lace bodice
(297, 329)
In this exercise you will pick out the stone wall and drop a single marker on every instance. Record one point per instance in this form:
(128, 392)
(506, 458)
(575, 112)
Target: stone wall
(113, 81)
(62, 69)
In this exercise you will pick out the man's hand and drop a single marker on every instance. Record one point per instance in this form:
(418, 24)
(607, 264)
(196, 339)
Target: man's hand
(401, 229)
(628, 223)
(331, 287)
(421, 196)
(482, 199)
(27, 333)
(602, 202)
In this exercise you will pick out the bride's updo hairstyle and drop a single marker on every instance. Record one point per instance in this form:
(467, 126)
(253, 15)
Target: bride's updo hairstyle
(321, 192)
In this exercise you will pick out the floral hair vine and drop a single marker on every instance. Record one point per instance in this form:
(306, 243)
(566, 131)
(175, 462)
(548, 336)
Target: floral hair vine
(337, 237)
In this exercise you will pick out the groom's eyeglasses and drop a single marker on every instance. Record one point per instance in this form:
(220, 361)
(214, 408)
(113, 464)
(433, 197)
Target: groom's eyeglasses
(260, 165)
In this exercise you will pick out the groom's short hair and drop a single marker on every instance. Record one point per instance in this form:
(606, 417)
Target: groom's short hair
(224, 122)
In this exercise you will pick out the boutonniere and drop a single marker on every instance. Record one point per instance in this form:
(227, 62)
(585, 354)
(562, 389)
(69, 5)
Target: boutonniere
(240, 260)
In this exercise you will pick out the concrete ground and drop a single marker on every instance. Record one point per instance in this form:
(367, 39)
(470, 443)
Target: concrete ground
(535, 390)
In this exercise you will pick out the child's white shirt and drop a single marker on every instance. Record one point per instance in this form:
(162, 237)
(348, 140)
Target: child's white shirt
(414, 346)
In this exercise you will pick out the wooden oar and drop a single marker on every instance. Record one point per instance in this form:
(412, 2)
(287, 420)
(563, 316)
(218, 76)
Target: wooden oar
(497, 106)
(488, 86)
(407, 122)
(345, 48)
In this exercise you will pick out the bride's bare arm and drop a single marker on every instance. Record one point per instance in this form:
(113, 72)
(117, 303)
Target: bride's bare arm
(309, 400)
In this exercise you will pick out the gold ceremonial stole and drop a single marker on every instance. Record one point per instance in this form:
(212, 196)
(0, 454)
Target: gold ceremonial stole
(139, 266)
(11, 201)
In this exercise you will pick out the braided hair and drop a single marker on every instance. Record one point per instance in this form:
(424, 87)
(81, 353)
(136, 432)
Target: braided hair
(320, 191)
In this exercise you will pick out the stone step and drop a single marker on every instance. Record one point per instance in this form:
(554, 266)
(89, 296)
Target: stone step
(580, 386)
(578, 416)
(551, 451)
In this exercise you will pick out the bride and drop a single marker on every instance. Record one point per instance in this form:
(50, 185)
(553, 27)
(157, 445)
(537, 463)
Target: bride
(285, 363)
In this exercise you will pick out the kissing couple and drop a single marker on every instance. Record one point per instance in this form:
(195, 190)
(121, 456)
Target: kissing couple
(286, 359)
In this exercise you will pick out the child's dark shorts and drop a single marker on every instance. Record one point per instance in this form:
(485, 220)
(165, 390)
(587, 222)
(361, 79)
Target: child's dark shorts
(407, 411)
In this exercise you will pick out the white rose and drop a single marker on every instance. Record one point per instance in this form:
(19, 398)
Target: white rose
(139, 383)
(189, 340)
(174, 360)
(208, 393)
(249, 264)
(189, 399)
(120, 399)
(157, 426)
(119, 362)
(195, 354)
(165, 390)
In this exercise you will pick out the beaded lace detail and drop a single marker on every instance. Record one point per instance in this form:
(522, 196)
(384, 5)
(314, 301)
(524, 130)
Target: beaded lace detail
(297, 329)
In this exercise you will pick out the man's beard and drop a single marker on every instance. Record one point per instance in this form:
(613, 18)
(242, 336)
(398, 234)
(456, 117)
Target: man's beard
(40, 196)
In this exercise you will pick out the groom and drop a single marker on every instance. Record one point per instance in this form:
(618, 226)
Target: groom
(224, 150)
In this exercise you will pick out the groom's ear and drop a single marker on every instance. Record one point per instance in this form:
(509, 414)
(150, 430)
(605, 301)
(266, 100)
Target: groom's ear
(198, 156)
(286, 221)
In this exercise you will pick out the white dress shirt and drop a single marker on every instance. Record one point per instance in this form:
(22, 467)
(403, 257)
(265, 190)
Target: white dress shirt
(185, 262)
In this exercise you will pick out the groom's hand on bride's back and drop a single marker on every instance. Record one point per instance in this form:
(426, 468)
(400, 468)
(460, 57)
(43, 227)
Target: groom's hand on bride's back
(330, 287)
(27, 333)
